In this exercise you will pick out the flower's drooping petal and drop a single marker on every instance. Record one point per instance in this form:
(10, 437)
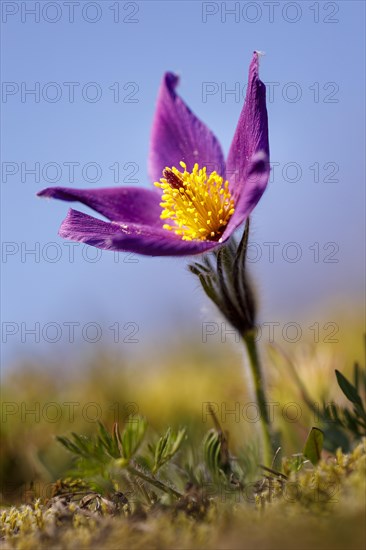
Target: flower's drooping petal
(251, 137)
(178, 135)
(147, 241)
(131, 237)
(124, 204)
(83, 228)
(256, 182)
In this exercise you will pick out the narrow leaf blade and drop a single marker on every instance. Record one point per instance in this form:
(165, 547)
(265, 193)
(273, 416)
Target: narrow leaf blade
(348, 389)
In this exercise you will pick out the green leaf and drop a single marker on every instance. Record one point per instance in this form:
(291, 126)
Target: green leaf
(314, 445)
(69, 445)
(348, 389)
(132, 436)
(167, 446)
(212, 451)
(107, 442)
(117, 438)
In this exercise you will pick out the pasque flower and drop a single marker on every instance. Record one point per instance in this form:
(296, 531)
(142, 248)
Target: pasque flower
(198, 199)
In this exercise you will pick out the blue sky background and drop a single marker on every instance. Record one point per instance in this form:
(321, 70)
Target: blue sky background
(326, 125)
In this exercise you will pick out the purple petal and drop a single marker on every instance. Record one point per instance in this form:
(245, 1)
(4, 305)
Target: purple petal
(251, 137)
(83, 228)
(138, 238)
(255, 184)
(127, 204)
(178, 135)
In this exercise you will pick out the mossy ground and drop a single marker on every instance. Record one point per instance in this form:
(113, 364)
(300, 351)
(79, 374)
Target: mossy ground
(322, 507)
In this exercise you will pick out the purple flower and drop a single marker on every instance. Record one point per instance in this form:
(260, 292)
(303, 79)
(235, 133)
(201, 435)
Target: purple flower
(198, 200)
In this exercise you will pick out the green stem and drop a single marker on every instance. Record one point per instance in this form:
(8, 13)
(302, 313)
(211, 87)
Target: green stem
(256, 372)
(158, 484)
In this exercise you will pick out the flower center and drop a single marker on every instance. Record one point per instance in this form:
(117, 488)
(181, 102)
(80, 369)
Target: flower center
(198, 205)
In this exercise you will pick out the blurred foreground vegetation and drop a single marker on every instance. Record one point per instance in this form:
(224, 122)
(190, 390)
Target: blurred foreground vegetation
(100, 488)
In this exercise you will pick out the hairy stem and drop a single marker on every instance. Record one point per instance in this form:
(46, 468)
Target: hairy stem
(256, 372)
(155, 482)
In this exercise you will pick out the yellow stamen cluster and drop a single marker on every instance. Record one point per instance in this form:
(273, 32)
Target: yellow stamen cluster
(198, 205)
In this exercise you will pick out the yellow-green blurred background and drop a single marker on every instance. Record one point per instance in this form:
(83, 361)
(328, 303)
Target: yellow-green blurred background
(170, 385)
